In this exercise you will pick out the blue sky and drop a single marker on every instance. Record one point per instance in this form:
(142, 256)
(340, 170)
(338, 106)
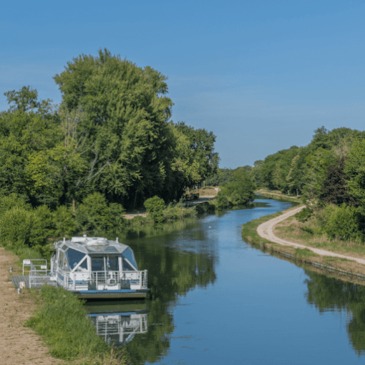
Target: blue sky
(261, 75)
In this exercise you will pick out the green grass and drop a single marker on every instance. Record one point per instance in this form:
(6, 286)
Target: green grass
(277, 195)
(303, 253)
(62, 323)
(309, 233)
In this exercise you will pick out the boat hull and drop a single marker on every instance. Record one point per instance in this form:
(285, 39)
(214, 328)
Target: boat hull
(112, 294)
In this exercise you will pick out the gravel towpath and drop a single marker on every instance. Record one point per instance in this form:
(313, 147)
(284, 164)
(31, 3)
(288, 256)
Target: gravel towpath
(19, 345)
(266, 230)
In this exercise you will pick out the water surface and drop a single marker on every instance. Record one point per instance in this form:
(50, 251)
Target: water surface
(217, 300)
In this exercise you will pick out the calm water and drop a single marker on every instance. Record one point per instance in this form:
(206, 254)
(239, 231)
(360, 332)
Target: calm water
(216, 300)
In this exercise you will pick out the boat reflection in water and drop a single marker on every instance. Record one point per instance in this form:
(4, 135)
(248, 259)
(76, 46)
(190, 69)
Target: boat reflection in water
(118, 323)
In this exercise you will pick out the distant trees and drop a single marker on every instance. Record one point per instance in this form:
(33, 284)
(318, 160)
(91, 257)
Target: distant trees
(329, 175)
(237, 191)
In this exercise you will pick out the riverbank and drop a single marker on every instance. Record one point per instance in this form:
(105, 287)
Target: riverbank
(18, 343)
(268, 233)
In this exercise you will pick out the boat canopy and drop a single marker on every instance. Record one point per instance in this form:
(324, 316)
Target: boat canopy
(79, 247)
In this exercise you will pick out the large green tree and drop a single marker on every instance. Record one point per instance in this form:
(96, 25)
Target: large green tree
(194, 159)
(124, 121)
(27, 128)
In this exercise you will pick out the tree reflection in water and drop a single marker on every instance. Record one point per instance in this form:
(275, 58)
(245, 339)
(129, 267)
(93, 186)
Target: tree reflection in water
(332, 294)
(172, 272)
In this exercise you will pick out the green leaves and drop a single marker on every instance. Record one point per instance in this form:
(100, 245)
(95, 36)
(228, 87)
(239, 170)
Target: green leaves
(111, 135)
(125, 118)
(95, 215)
(195, 158)
(238, 191)
(155, 208)
(330, 175)
(355, 170)
(342, 223)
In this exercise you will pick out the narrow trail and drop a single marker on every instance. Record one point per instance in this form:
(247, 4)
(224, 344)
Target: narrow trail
(18, 344)
(266, 230)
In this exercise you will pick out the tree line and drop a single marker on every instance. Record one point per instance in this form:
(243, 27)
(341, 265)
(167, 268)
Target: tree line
(111, 141)
(329, 176)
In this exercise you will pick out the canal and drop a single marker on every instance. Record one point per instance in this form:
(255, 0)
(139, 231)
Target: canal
(217, 300)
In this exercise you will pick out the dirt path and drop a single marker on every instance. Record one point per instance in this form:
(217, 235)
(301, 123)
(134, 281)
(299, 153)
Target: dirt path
(18, 344)
(266, 230)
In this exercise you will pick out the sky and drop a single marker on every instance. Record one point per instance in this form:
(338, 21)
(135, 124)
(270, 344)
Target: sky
(262, 75)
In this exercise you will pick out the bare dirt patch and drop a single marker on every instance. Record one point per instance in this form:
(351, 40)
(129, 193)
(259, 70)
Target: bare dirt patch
(18, 344)
(133, 215)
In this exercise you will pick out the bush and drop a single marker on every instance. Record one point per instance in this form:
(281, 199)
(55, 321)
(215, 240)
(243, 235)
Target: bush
(155, 207)
(341, 223)
(65, 224)
(97, 216)
(238, 191)
(15, 227)
(21, 227)
(304, 215)
(177, 211)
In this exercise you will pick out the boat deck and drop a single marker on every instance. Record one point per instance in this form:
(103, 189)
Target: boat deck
(23, 281)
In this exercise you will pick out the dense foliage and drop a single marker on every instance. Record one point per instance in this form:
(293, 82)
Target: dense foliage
(110, 145)
(236, 189)
(329, 175)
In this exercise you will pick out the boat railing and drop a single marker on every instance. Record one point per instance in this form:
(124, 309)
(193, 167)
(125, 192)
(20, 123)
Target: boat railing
(102, 280)
(120, 280)
(36, 270)
(136, 279)
(113, 324)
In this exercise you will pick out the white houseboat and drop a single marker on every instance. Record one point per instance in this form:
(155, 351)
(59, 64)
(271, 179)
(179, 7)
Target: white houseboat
(95, 267)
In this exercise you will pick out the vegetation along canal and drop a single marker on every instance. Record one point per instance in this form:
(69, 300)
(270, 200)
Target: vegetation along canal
(216, 299)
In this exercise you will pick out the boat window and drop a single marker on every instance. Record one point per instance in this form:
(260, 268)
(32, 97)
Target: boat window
(112, 263)
(127, 266)
(74, 257)
(62, 261)
(97, 263)
(128, 255)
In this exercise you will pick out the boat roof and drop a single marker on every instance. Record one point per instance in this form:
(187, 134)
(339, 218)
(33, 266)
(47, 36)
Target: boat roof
(93, 245)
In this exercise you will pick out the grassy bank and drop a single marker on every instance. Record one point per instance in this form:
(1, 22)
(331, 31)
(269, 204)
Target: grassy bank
(60, 319)
(277, 195)
(339, 268)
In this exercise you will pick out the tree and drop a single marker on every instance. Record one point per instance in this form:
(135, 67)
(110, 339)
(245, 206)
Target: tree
(194, 159)
(97, 216)
(55, 175)
(25, 129)
(239, 191)
(155, 207)
(342, 223)
(24, 100)
(355, 171)
(125, 114)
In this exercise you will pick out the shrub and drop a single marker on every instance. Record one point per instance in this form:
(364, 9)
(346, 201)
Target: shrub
(97, 216)
(15, 227)
(155, 207)
(65, 224)
(341, 223)
(304, 215)
(177, 211)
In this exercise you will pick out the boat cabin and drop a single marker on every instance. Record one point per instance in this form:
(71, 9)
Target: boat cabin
(95, 267)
